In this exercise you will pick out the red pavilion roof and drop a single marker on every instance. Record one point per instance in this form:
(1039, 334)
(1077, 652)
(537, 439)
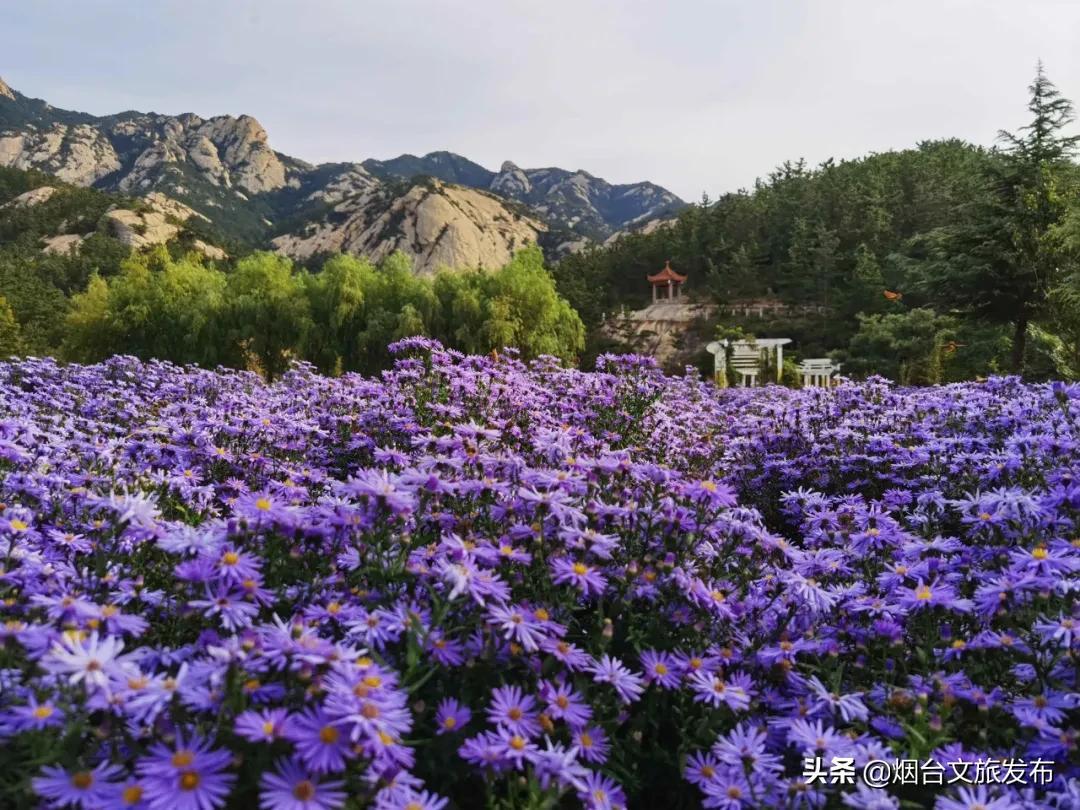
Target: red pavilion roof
(666, 275)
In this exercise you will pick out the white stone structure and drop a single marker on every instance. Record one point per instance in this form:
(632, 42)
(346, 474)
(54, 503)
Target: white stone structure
(818, 372)
(746, 358)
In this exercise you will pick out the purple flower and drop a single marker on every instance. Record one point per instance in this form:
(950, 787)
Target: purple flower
(582, 576)
(661, 668)
(291, 787)
(734, 690)
(321, 741)
(598, 792)
(592, 743)
(565, 703)
(188, 776)
(451, 716)
(88, 789)
(265, 726)
(613, 671)
(514, 710)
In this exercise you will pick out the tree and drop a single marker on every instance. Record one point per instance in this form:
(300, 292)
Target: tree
(337, 296)
(904, 346)
(525, 310)
(267, 312)
(155, 307)
(10, 333)
(1004, 257)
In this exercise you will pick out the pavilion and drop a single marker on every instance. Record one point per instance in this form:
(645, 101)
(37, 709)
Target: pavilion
(666, 279)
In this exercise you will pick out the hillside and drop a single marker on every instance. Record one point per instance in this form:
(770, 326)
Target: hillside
(225, 169)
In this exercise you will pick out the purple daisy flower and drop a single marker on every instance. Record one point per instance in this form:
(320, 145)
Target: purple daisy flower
(88, 789)
(291, 787)
(321, 743)
(451, 716)
(188, 776)
(515, 711)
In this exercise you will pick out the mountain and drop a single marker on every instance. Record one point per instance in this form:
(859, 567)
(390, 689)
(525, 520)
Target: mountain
(225, 169)
(41, 213)
(436, 223)
(572, 201)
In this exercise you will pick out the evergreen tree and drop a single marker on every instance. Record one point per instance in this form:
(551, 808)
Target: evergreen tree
(1005, 256)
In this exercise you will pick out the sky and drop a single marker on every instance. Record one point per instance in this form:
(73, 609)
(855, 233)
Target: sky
(698, 96)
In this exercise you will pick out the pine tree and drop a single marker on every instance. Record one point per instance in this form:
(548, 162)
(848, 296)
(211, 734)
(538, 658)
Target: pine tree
(1004, 257)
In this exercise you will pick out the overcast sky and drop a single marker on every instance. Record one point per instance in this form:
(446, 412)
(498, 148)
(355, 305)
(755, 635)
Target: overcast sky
(697, 96)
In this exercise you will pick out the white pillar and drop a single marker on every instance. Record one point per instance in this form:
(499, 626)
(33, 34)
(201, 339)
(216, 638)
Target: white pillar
(654, 293)
(779, 363)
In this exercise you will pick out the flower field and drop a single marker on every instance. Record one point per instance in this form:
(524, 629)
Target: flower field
(479, 583)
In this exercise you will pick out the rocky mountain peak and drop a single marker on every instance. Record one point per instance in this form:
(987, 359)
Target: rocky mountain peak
(6, 91)
(508, 166)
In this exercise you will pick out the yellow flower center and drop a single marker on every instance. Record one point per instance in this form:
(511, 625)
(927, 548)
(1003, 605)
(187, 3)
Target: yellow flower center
(263, 505)
(82, 780)
(517, 743)
(230, 558)
(18, 525)
(181, 759)
(449, 722)
(189, 780)
(328, 735)
(132, 794)
(1040, 553)
(304, 791)
(585, 739)
(515, 713)
(41, 712)
(581, 569)
(923, 593)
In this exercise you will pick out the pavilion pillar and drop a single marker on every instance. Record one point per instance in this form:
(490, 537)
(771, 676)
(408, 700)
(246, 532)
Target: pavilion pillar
(654, 294)
(779, 363)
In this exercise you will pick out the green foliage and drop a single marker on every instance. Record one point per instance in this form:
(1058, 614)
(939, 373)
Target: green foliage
(823, 236)
(1002, 258)
(266, 312)
(10, 334)
(155, 307)
(905, 346)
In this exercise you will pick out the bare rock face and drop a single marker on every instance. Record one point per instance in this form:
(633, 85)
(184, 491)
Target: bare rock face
(437, 225)
(63, 244)
(232, 153)
(244, 150)
(511, 181)
(670, 331)
(28, 199)
(139, 230)
(645, 228)
(210, 251)
(6, 91)
(352, 181)
(78, 154)
(172, 208)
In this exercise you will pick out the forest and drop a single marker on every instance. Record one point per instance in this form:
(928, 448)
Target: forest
(944, 261)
